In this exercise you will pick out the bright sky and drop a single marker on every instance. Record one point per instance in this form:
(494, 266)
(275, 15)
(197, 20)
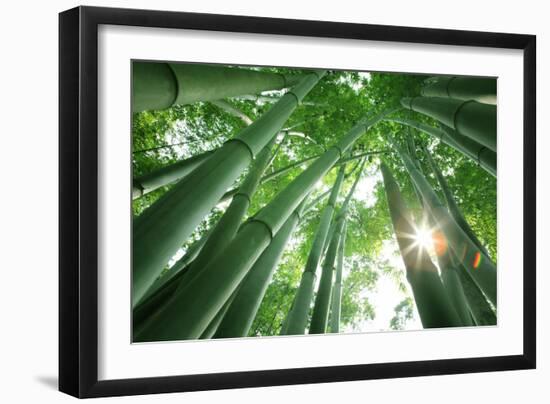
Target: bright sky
(386, 294)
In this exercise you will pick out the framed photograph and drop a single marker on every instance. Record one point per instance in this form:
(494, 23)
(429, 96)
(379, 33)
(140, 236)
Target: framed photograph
(251, 201)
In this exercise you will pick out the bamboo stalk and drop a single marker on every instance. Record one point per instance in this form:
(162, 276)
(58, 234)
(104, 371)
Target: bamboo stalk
(229, 223)
(166, 175)
(336, 301)
(319, 317)
(242, 311)
(296, 320)
(447, 266)
(434, 307)
(469, 118)
(451, 203)
(161, 85)
(482, 90)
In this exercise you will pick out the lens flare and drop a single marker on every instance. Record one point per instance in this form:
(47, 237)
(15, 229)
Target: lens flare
(440, 243)
(477, 260)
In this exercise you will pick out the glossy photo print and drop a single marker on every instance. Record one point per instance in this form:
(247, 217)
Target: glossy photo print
(276, 201)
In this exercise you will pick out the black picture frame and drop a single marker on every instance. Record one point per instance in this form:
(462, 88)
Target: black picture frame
(78, 201)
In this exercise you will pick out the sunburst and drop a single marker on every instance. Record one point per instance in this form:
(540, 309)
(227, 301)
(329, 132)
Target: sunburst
(424, 239)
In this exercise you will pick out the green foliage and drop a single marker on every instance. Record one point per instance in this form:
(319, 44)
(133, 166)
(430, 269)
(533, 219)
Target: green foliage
(356, 307)
(403, 313)
(278, 297)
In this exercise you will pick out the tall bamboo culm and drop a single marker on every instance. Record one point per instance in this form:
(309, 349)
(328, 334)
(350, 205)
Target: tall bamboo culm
(336, 301)
(297, 318)
(320, 314)
(482, 90)
(469, 118)
(166, 175)
(452, 205)
(433, 304)
(242, 310)
(481, 269)
(229, 223)
(162, 85)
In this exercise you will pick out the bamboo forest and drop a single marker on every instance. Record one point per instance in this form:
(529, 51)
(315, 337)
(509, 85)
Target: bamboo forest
(274, 201)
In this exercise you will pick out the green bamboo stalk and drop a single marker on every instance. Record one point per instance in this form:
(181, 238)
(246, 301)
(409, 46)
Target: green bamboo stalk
(434, 307)
(469, 118)
(165, 286)
(444, 258)
(336, 301)
(174, 274)
(482, 90)
(169, 174)
(446, 266)
(229, 223)
(161, 85)
(319, 317)
(479, 154)
(242, 311)
(448, 271)
(314, 202)
(480, 309)
(411, 147)
(210, 290)
(296, 321)
(151, 303)
(446, 261)
(451, 281)
(230, 109)
(160, 230)
(166, 175)
(215, 323)
(451, 203)
(482, 270)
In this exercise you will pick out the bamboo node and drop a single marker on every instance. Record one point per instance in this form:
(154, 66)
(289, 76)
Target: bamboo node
(245, 195)
(448, 85)
(178, 89)
(479, 155)
(338, 149)
(294, 95)
(457, 110)
(411, 103)
(266, 225)
(239, 140)
(285, 81)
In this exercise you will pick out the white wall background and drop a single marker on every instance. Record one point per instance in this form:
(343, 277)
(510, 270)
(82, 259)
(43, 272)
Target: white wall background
(28, 201)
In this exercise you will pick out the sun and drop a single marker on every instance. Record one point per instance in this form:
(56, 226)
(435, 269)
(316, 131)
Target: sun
(423, 237)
